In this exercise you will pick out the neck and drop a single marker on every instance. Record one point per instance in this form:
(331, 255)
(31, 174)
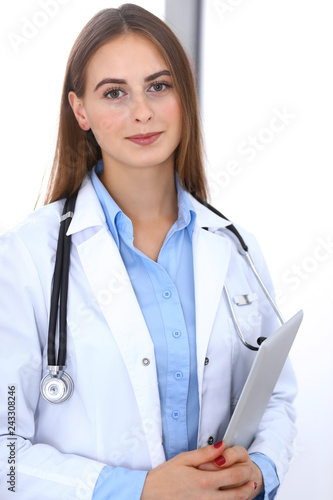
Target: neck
(143, 194)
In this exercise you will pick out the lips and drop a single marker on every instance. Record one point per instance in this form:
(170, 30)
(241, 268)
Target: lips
(144, 139)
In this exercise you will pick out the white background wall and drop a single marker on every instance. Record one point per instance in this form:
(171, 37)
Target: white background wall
(261, 58)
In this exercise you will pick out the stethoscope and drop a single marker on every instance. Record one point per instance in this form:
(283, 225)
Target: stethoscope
(57, 386)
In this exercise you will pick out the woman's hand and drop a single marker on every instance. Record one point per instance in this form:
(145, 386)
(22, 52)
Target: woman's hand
(197, 475)
(236, 458)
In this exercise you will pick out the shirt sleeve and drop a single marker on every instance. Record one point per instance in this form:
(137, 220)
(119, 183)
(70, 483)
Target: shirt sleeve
(270, 477)
(118, 483)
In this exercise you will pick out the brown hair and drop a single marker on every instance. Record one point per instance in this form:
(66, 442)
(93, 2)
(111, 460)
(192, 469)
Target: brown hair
(77, 151)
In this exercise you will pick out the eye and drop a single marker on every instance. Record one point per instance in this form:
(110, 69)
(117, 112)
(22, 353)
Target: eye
(114, 93)
(159, 86)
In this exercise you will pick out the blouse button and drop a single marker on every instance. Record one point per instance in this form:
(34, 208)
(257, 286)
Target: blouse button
(210, 440)
(167, 294)
(146, 361)
(176, 334)
(206, 361)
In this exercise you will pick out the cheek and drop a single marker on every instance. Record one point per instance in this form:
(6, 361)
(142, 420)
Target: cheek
(173, 113)
(104, 123)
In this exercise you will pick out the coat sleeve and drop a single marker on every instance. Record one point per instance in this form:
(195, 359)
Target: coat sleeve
(277, 429)
(34, 470)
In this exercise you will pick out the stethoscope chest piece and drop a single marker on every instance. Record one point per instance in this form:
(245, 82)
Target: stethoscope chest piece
(57, 386)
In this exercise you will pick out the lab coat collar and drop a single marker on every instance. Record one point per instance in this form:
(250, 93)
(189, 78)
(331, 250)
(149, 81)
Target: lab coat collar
(88, 210)
(207, 218)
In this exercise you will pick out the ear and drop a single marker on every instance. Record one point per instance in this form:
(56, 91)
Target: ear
(78, 110)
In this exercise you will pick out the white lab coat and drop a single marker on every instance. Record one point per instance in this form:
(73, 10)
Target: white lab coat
(114, 415)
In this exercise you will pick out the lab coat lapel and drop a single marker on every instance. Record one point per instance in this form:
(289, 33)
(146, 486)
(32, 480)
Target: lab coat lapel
(211, 256)
(113, 291)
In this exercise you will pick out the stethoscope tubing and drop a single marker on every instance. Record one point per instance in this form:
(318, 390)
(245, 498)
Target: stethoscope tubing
(60, 288)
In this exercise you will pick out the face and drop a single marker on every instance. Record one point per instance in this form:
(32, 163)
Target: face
(130, 104)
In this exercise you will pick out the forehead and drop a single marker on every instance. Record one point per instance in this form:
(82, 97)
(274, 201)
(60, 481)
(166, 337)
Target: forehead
(127, 56)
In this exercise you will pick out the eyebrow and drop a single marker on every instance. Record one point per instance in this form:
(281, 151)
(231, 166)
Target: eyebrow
(120, 81)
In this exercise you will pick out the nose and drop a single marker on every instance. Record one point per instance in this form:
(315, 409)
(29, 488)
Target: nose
(142, 111)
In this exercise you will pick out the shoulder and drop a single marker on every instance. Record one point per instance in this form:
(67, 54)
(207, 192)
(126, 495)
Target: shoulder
(36, 235)
(40, 222)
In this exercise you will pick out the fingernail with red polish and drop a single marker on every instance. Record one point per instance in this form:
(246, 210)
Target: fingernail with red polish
(219, 461)
(218, 445)
(255, 485)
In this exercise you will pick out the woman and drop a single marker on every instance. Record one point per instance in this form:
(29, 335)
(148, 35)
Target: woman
(156, 363)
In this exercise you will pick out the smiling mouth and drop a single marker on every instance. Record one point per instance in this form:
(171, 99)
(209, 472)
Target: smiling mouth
(144, 139)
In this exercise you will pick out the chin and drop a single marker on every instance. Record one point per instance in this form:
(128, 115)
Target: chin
(146, 161)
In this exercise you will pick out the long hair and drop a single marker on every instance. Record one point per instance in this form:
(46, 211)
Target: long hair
(77, 151)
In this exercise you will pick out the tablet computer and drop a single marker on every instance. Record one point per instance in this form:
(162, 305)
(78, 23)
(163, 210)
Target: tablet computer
(260, 384)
